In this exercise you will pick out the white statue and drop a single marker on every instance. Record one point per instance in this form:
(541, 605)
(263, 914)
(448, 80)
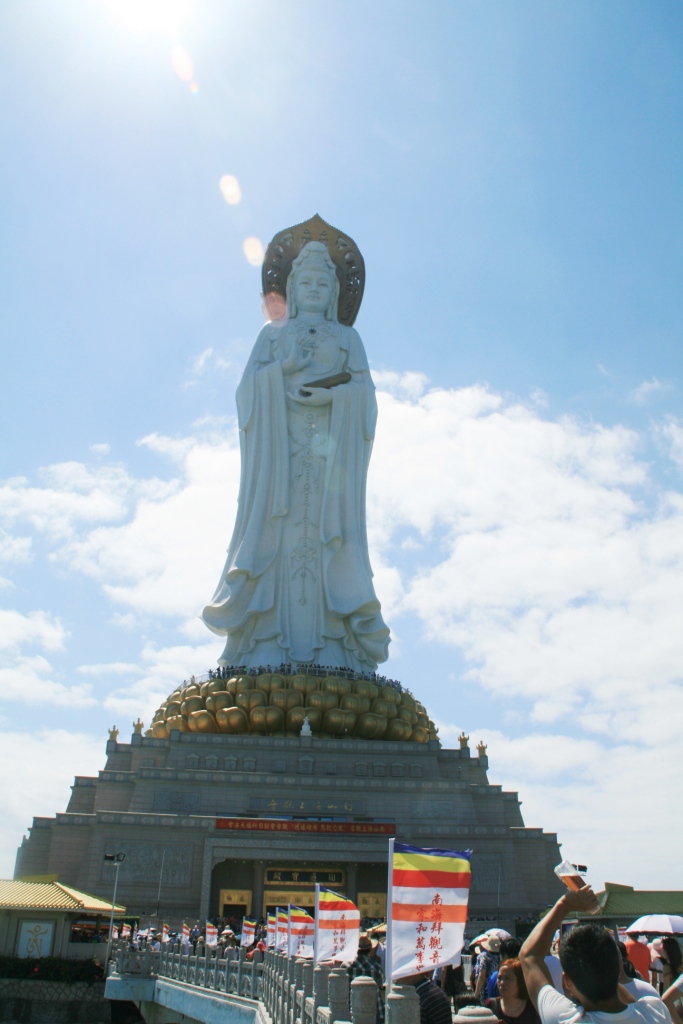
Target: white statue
(297, 586)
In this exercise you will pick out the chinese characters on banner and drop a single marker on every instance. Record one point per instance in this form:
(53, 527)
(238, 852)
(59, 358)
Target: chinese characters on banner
(248, 932)
(281, 930)
(211, 934)
(338, 926)
(270, 931)
(301, 932)
(428, 906)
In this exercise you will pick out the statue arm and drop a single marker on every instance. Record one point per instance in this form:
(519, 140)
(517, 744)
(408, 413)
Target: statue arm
(261, 355)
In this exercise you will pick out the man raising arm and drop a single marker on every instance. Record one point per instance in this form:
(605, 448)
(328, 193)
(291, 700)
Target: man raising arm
(591, 965)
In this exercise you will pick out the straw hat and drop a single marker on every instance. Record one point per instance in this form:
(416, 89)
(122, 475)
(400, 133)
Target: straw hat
(491, 943)
(365, 943)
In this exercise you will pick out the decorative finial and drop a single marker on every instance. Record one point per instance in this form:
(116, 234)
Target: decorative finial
(138, 727)
(114, 734)
(481, 748)
(306, 727)
(464, 740)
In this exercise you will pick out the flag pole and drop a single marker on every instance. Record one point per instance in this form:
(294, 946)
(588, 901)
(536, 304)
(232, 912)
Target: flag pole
(315, 915)
(289, 927)
(388, 952)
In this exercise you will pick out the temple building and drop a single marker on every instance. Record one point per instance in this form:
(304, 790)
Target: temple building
(230, 823)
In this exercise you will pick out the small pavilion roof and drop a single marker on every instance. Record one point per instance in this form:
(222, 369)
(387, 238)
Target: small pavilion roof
(51, 896)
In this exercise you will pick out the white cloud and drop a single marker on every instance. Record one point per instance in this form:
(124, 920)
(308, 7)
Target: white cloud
(671, 432)
(648, 388)
(162, 669)
(29, 679)
(41, 766)
(100, 449)
(39, 628)
(112, 668)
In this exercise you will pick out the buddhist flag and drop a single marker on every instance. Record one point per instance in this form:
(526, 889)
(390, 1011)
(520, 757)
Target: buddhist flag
(125, 931)
(248, 932)
(114, 933)
(185, 933)
(211, 934)
(428, 894)
(165, 932)
(301, 932)
(270, 931)
(281, 930)
(337, 922)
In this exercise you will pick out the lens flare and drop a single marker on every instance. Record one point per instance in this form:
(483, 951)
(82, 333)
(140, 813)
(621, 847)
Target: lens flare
(182, 63)
(166, 16)
(253, 250)
(230, 188)
(194, 88)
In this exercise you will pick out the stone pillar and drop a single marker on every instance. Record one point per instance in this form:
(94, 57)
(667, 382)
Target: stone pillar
(352, 882)
(363, 1001)
(257, 889)
(403, 1005)
(338, 994)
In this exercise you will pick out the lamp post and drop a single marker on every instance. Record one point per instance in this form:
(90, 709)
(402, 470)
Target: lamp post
(115, 859)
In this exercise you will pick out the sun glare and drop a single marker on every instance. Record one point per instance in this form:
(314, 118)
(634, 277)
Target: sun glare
(182, 63)
(253, 250)
(165, 16)
(230, 189)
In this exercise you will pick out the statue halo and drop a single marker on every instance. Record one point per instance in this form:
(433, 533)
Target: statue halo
(343, 251)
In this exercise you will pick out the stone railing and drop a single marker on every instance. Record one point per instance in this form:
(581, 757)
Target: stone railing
(290, 991)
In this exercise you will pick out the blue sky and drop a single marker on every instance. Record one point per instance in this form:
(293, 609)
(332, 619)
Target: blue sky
(512, 174)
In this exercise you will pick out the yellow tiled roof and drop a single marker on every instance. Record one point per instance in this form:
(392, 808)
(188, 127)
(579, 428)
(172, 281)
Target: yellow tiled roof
(51, 896)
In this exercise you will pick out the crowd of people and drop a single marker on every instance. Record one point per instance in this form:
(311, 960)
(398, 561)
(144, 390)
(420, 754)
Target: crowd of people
(583, 975)
(289, 668)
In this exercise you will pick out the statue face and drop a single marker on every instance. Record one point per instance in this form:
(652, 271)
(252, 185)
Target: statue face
(312, 291)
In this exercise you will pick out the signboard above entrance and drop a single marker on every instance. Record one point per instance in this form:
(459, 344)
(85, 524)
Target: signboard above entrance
(288, 806)
(321, 827)
(305, 876)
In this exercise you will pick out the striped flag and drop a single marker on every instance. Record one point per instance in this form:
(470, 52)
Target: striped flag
(211, 934)
(270, 931)
(301, 932)
(428, 894)
(165, 932)
(248, 932)
(125, 931)
(281, 930)
(185, 932)
(337, 926)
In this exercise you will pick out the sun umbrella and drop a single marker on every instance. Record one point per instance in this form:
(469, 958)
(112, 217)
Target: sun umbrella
(500, 932)
(661, 924)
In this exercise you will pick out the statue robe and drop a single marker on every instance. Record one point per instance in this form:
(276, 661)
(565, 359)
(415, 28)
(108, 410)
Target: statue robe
(297, 584)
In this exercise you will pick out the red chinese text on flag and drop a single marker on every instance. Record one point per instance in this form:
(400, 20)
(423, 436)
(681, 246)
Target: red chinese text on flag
(338, 927)
(301, 932)
(429, 893)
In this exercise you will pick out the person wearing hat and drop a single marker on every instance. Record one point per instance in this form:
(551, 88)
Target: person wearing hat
(367, 965)
(487, 963)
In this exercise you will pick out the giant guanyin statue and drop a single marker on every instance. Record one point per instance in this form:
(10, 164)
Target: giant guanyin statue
(297, 585)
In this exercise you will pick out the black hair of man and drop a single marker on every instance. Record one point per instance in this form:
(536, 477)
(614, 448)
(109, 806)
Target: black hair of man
(590, 959)
(509, 949)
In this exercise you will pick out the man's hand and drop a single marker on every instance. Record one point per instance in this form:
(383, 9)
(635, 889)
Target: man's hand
(582, 901)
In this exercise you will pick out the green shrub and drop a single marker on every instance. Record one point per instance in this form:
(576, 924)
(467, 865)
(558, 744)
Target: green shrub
(51, 968)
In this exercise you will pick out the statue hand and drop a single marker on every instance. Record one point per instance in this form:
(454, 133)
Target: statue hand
(314, 396)
(296, 361)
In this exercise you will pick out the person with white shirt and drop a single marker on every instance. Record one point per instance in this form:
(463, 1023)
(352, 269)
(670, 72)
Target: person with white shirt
(672, 997)
(591, 966)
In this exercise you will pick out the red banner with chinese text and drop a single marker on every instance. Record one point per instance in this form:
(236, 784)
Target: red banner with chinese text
(359, 828)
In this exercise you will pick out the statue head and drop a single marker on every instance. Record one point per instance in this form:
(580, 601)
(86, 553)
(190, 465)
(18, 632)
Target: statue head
(312, 285)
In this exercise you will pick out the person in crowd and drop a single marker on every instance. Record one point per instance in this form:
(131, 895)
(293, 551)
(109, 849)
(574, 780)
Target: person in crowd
(630, 978)
(513, 1005)
(153, 941)
(366, 965)
(673, 1000)
(435, 1006)
(453, 981)
(656, 962)
(487, 963)
(672, 961)
(509, 950)
(591, 967)
(638, 954)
